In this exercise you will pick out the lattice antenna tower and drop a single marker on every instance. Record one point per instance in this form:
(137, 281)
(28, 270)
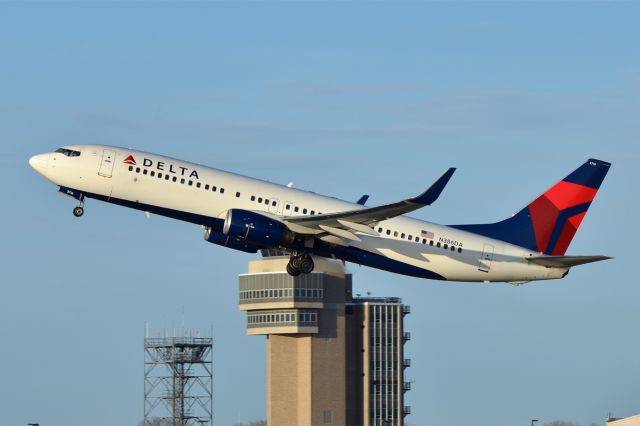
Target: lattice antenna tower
(178, 381)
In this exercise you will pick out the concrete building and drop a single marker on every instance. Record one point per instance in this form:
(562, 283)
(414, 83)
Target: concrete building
(331, 358)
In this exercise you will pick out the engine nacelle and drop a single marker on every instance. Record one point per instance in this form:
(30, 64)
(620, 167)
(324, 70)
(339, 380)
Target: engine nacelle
(256, 228)
(227, 241)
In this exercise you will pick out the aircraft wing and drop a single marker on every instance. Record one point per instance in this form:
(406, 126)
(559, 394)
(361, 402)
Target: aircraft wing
(360, 220)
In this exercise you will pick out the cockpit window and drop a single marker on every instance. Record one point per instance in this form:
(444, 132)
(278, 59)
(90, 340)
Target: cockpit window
(68, 152)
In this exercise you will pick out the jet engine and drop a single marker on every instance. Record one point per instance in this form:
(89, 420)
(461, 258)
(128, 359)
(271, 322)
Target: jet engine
(227, 241)
(255, 228)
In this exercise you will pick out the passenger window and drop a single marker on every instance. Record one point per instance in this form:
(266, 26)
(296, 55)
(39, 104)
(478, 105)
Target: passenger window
(296, 209)
(273, 203)
(198, 185)
(417, 239)
(402, 235)
(213, 188)
(237, 195)
(438, 245)
(159, 175)
(288, 206)
(130, 168)
(453, 248)
(388, 231)
(144, 172)
(222, 190)
(259, 199)
(253, 198)
(304, 211)
(424, 241)
(183, 180)
(430, 242)
(395, 233)
(175, 179)
(166, 177)
(137, 169)
(313, 212)
(152, 173)
(459, 249)
(206, 187)
(190, 183)
(409, 238)
(266, 202)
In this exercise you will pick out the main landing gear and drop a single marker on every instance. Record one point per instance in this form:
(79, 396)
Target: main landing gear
(300, 263)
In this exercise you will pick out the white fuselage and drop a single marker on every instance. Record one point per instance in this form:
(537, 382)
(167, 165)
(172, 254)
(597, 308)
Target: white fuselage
(451, 253)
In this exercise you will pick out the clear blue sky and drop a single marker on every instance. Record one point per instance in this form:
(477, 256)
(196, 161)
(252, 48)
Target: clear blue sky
(343, 99)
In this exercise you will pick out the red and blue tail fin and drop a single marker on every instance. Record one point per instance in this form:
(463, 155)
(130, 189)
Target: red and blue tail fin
(547, 225)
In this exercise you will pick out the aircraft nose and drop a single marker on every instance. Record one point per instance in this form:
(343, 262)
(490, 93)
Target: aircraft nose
(39, 163)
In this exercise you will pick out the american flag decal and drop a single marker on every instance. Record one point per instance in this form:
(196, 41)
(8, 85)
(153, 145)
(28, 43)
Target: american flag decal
(427, 234)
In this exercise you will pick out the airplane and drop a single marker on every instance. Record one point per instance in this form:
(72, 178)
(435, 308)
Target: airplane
(251, 215)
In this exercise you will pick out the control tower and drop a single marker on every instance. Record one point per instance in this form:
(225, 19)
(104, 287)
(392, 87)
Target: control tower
(324, 362)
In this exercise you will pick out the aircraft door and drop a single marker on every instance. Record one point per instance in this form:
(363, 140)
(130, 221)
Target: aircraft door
(273, 205)
(486, 259)
(287, 208)
(106, 165)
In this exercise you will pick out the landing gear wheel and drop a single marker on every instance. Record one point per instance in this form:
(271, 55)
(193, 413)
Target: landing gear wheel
(78, 211)
(306, 264)
(292, 270)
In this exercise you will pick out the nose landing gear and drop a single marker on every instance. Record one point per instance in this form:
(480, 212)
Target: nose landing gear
(300, 263)
(79, 209)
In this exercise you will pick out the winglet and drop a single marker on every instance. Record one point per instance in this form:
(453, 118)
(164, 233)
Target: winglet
(363, 200)
(431, 195)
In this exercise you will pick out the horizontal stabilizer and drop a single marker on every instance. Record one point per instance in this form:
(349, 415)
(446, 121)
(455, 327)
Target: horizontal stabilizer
(565, 261)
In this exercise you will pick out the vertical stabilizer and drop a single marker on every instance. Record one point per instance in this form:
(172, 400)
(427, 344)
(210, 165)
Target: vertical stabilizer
(547, 225)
